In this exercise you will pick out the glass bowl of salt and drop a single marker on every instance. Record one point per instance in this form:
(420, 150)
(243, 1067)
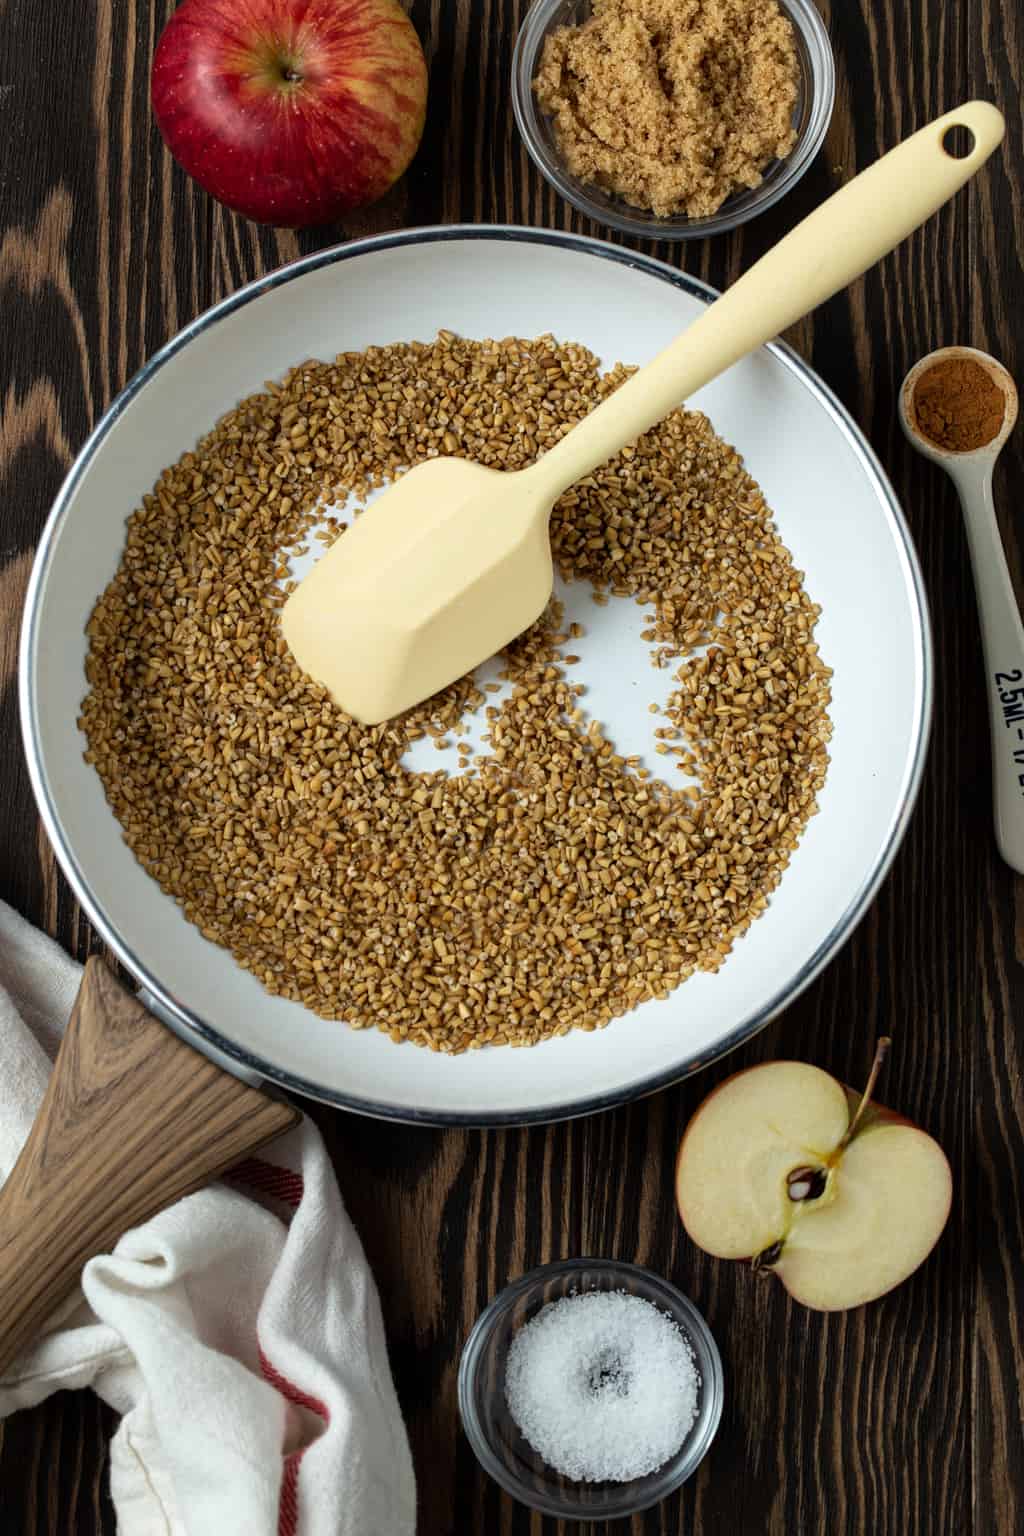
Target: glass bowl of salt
(590, 1389)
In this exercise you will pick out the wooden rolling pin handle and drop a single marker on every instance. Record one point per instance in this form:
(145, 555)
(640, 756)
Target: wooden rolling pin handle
(133, 1118)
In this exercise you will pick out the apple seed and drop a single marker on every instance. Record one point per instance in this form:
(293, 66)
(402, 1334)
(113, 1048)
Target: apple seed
(807, 1183)
(767, 1258)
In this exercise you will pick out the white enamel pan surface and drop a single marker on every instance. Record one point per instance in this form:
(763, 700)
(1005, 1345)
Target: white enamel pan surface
(833, 506)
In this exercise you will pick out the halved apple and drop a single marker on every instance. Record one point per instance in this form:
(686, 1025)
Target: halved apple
(840, 1198)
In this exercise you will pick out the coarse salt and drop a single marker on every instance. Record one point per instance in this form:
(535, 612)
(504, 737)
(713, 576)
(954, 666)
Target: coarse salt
(603, 1385)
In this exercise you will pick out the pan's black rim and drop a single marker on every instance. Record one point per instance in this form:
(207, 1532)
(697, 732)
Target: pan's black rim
(230, 1054)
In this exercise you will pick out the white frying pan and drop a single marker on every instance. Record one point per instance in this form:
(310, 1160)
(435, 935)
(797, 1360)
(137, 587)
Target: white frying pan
(834, 508)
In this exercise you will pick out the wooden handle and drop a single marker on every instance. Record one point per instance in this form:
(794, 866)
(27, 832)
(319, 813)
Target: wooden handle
(133, 1118)
(848, 233)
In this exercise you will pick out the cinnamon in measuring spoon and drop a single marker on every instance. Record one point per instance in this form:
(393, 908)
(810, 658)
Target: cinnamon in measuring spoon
(958, 405)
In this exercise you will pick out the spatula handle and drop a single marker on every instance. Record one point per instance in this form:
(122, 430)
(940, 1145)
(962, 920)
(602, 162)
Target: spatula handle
(132, 1119)
(848, 233)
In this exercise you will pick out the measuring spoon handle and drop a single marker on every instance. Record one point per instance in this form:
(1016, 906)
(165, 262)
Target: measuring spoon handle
(848, 233)
(1002, 635)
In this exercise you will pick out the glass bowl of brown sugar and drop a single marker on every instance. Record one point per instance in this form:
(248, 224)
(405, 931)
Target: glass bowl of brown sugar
(609, 141)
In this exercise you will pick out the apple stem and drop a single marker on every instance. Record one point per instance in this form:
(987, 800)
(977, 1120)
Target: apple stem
(881, 1051)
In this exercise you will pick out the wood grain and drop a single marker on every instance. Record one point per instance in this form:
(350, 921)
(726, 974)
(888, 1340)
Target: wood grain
(132, 1119)
(903, 1419)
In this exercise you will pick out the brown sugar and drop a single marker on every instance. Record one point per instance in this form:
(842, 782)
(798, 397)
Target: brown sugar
(958, 405)
(672, 104)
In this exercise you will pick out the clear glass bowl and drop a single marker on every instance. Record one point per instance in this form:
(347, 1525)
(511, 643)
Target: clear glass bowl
(815, 98)
(502, 1450)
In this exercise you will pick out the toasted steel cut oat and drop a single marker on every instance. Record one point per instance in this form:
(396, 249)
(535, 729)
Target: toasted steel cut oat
(553, 885)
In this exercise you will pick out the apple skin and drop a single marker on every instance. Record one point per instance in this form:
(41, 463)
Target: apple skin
(873, 1118)
(292, 112)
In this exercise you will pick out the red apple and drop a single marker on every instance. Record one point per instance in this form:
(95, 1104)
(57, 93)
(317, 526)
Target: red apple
(840, 1199)
(292, 112)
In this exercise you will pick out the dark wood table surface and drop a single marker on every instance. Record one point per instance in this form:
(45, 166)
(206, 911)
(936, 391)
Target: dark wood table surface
(900, 1419)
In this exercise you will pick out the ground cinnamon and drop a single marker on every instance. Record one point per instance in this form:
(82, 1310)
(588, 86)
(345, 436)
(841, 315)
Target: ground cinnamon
(958, 405)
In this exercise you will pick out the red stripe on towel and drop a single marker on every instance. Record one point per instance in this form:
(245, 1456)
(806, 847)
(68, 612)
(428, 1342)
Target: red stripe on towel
(273, 1183)
(288, 1506)
(290, 1391)
(267, 1179)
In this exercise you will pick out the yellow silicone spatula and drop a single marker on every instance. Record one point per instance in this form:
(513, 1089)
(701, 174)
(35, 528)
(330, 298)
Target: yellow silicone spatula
(454, 561)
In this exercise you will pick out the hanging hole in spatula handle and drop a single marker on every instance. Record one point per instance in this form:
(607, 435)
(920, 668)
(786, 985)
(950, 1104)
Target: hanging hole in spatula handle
(133, 1118)
(958, 141)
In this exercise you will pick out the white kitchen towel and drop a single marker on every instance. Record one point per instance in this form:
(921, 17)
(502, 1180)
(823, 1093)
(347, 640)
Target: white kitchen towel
(238, 1333)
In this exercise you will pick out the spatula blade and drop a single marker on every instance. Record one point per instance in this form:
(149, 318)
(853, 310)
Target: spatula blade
(443, 570)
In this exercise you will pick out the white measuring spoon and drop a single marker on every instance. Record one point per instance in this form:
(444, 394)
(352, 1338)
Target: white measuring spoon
(1002, 632)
